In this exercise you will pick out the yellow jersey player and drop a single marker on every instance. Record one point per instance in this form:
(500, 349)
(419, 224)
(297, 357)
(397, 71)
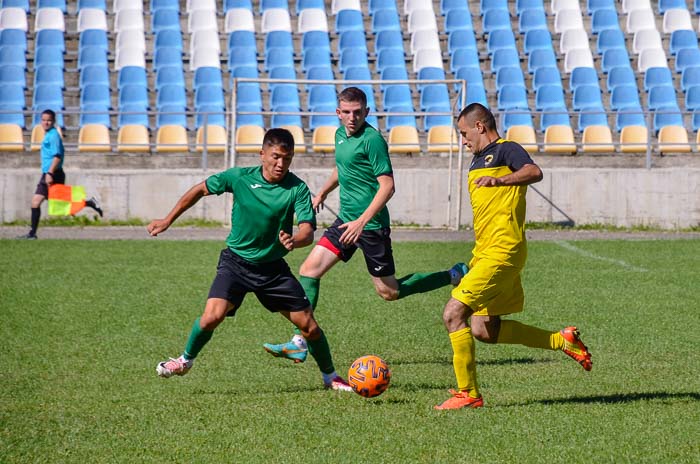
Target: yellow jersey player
(498, 178)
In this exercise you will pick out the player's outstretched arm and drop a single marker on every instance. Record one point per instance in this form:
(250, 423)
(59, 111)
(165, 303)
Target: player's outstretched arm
(303, 237)
(330, 185)
(189, 199)
(528, 174)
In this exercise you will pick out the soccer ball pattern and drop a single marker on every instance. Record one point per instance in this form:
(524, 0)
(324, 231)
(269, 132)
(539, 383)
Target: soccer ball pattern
(369, 376)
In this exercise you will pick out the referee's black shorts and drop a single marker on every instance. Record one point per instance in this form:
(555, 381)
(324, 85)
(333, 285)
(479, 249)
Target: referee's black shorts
(42, 188)
(273, 283)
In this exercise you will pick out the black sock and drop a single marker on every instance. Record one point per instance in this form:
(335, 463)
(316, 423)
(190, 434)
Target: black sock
(36, 212)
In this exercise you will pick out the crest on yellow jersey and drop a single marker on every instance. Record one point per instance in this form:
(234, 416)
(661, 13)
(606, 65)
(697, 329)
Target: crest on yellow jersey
(488, 159)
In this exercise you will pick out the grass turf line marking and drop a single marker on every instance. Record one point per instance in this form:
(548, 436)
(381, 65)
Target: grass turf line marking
(619, 262)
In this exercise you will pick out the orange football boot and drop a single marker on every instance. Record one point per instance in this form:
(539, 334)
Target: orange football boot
(461, 400)
(574, 347)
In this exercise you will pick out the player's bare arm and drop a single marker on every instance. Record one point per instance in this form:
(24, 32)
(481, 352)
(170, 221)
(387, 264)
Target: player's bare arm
(330, 185)
(189, 199)
(353, 229)
(303, 237)
(528, 174)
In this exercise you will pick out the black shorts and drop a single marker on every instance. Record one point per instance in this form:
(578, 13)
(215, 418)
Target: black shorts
(375, 245)
(42, 188)
(273, 283)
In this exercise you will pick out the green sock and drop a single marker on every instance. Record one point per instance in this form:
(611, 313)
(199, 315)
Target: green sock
(311, 286)
(198, 338)
(321, 352)
(422, 282)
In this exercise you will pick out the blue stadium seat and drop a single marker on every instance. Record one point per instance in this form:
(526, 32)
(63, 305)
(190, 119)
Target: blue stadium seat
(245, 71)
(360, 73)
(50, 38)
(315, 57)
(546, 75)
(278, 57)
(134, 75)
(54, 75)
(604, 19)
(690, 77)
(624, 97)
(14, 75)
(268, 4)
(177, 116)
(696, 6)
(12, 95)
(215, 116)
(249, 119)
(53, 56)
(94, 38)
(429, 73)
(277, 39)
(351, 57)
(632, 116)
(692, 98)
(591, 117)
(375, 5)
(468, 57)
(321, 96)
(686, 58)
(549, 96)
(315, 39)
(139, 116)
(281, 72)
(172, 75)
(11, 115)
(665, 5)
(608, 39)
(531, 20)
(16, 38)
(401, 120)
(390, 57)
(60, 4)
(97, 4)
(511, 75)
(502, 38)
(134, 95)
(207, 76)
(595, 5)
(583, 76)
(167, 5)
(487, 5)
(396, 95)
(471, 74)
(475, 94)
(285, 95)
(173, 39)
(613, 58)
(165, 20)
(304, 4)
(318, 120)
(90, 75)
(667, 116)
(239, 56)
(48, 95)
(496, 19)
(279, 120)
(348, 20)
(209, 95)
(536, 40)
(87, 56)
(516, 119)
(661, 96)
(229, 4)
(14, 56)
(554, 117)
(24, 4)
(447, 5)
(657, 76)
(541, 58)
(171, 94)
(681, 39)
(512, 97)
(385, 20)
(621, 75)
(587, 96)
(431, 121)
(522, 5)
(434, 96)
(460, 38)
(95, 95)
(353, 39)
(388, 39)
(458, 19)
(392, 73)
(500, 59)
(249, 94)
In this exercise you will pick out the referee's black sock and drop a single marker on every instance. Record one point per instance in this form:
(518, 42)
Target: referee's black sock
(36, 213)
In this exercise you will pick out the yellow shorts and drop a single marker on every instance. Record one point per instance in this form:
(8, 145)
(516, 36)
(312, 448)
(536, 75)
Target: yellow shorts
(491, 289)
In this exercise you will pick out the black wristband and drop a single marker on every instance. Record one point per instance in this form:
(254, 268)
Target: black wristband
(50, 173)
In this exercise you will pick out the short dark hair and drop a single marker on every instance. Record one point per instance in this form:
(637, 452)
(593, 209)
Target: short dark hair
(50, 113)
(479, 113)
(353, 94)
(280, 138)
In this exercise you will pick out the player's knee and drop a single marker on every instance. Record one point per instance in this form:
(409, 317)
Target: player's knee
(452, 316)
(210, 321)
(481, 334)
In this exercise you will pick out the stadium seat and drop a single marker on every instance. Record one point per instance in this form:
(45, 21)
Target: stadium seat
(525, 136)
(397, 95)
(461, 38)
(171, 75)
(242, 39)
(665, 5)
(314, 40)
(323, 139)
(682, 39)
(676, 19)
(432, 120)
(204, 39)
(49, 18)
(93, 38)
(91, 18)
(646, 39)
(302, 5)
(673, 139)
(502, 38)
(53, 38)
(442, 139)
(237, 57)
(312, 19)
(251, 119)
(686, 58)
(624, 97)
(549, 96)
(11, 138)
(631, 116)
(434, 95)
(427, 59)
(559, 5)
(517, 117)
(171, 4)
(621, 75)
(201, 20)
(537, 39)
(532, 19)
(118, 5)
(573, 39)
(132, 114)
(567, 19)
(215, 139)
(15, 38)
(401, 119)
(351, 57)
(375, 5)
(276, 39)
(652, 58)
(23, 4)
(579, 58)
(125, 20)
(249, 139)
(554, 117)
(597, 139)
(11, 115)
(496, 19)
(171, 138)
(522, 5)
(92, 4)
(421, 20)
(134, 95)
(388, 39)
(48, 95)
(609, 39)
(657, 77)
(613, 58)
(640, 19)
(129, 75)
(512, 97)
(458, 19)
(133, 138)
(275, 19)
(94, 137)
(386, 20)
(205, 57)
(276, 57)
(472, 75)
(133, 38)
(12, 95)
(582, 76)
(239, 19)
(594, 5)
(540, 58)
(171, 95)
(427, 39)
(87, 56)
(593, 116)
(546, 75)
(404, 139)
(634, 139)
(321, 96)
(15, 75)
(129, 57)
(604, 19)
(412, 5)
(270, 4)
(587, 96)
(13, 18)
(559, 139)
(280, 119)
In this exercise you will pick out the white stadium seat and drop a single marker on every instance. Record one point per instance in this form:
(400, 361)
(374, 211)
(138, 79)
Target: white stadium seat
(205, 58)
(13, 18)
(558, 5)
(652, 58)
(568, 19)
(129, 57)
(132, 38)
(424, 40)
(119, 5)
(201, 5)
(275, 19)
(427, 59)
(646, 38)
(205, 39)
(677, 19)
(640, 19)
(239, 19)
(630, 5)
(201, 20)
(578, 58)
(337, 5)
(49, 18)
(125, 20)
(410, 6)
(312, 19)
(573, 39)
(91, 18)
(421, 20)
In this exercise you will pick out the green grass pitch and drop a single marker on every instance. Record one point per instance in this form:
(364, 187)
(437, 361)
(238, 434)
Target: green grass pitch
(85, 322)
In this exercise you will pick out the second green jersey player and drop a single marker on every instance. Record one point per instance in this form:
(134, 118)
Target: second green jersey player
(365, 176)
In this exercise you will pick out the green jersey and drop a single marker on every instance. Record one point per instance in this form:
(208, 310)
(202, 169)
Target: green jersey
(260, 210)
(360, 159)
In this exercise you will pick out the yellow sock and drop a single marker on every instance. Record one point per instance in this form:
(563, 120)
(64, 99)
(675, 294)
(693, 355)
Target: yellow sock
(513, 332)
(463, 361)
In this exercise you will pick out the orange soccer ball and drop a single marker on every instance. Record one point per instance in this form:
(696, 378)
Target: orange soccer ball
(369, 376)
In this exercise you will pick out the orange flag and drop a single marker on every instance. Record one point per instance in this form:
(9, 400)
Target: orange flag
(65, 200)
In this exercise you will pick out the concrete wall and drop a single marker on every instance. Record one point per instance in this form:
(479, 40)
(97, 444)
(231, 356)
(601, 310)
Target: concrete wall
(663, 197)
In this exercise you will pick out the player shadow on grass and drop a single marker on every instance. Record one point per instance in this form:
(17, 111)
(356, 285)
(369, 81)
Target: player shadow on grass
(615, 398)
(492, 362)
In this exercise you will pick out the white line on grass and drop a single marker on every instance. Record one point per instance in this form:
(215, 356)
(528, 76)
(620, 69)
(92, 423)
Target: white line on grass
(588, 254)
